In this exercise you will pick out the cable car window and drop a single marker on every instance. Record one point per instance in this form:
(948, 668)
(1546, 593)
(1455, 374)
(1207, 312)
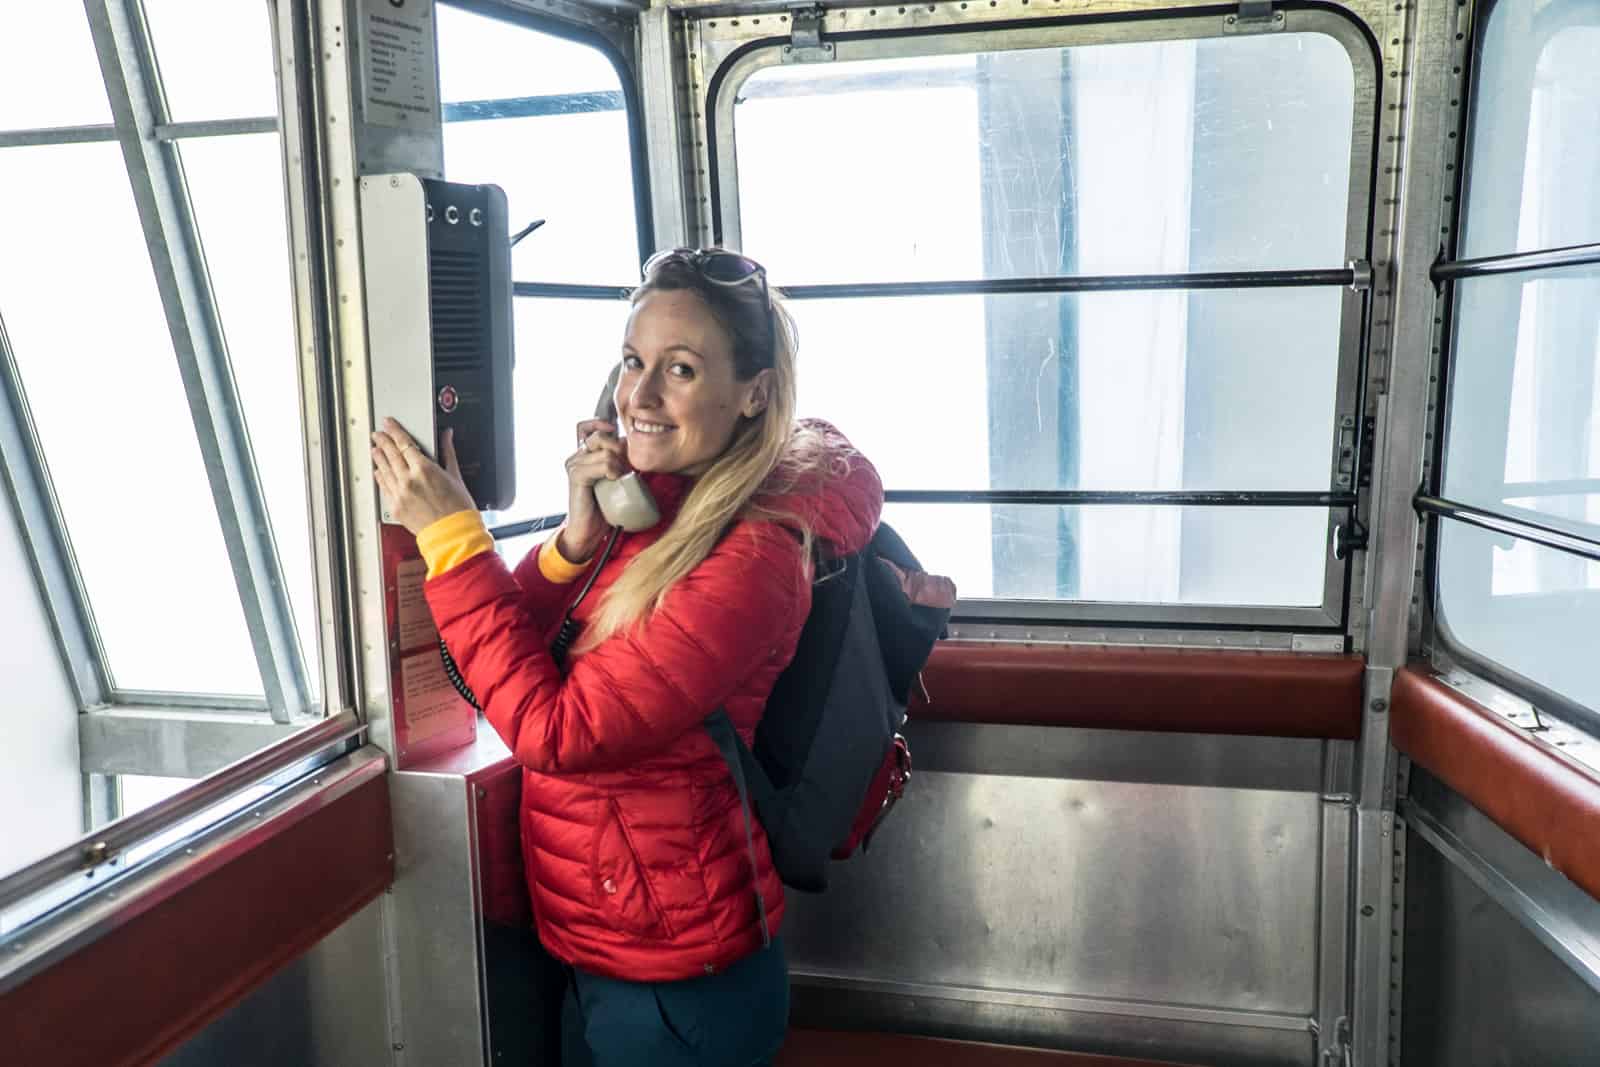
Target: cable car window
(1522, 444)
(1103, 159)
(48, 73)
(547, 119)
(126, 469)
(1530, 177)
(150, 417)
(1141, 397)
(1536, 616)
(1163, 160)
(1524, 427)
(216, 59)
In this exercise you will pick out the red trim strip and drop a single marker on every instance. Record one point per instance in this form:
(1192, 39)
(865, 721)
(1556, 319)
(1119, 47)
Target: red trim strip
(1537, 794)
(1271, 694)
(149, 984)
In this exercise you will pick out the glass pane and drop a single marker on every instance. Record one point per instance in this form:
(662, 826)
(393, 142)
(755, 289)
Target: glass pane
(1126, 158)
(141, 791)
(565, 351)
(1220, 389)
(1536, 341)
(49, 75)
(482, 58)
(1534, 151)
(98, 367)
(236, 187)
(589, 236)
(560, 148)
(41, 791)
(215, 59)
(1528, 608)
(514, 549)
(1127, 554)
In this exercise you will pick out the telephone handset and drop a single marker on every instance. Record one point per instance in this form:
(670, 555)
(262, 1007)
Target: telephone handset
(625, 501)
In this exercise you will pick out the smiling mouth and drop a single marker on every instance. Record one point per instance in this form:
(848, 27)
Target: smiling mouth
(650, 429)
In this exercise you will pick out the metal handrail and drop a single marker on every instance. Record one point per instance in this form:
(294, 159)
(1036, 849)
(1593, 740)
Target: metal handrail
(1516, 263)
(1065, 283)
(1522, 529)
(1095, 497)
(96, 848)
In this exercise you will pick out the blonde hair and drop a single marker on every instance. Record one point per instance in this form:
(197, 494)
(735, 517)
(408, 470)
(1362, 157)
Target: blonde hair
(769, 455)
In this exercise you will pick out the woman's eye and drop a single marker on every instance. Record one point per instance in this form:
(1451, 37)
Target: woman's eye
(682, 370)
(631, 363)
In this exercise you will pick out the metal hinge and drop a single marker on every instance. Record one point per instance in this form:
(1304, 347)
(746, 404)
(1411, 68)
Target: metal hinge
(805, 36)
(1254, 16)
(1344, 474)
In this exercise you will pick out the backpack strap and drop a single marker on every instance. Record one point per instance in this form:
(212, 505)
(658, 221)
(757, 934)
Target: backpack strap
(734, 751)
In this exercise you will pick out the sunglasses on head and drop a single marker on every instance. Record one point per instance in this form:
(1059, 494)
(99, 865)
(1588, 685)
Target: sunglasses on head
(718, 266)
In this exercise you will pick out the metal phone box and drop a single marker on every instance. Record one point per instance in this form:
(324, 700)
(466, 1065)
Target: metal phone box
(437, 272)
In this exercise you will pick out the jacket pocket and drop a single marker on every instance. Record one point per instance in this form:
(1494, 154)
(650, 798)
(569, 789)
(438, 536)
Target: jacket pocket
(622, 883)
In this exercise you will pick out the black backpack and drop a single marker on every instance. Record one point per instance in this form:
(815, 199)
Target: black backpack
(828, 761)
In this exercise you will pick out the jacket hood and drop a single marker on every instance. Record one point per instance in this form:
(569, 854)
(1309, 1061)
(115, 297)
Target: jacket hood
(838, 496)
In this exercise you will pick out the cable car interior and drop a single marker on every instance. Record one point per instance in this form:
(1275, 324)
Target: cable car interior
(1239, 361)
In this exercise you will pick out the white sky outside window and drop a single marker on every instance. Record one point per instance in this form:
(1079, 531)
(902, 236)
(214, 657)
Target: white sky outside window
(482, 58)
(48, 72)
(215, 58)
(573, 171)
(236, 187)
(122, 453)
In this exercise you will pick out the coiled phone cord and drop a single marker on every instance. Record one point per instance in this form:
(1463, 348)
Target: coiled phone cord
(558, 646)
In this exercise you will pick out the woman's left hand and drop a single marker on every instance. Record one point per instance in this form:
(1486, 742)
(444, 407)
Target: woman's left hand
(419, 491)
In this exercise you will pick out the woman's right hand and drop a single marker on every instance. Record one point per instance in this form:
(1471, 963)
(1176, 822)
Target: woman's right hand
(600, 454)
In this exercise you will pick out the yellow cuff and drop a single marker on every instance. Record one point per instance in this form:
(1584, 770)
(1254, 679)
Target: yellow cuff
(452, 540)
(556, 567)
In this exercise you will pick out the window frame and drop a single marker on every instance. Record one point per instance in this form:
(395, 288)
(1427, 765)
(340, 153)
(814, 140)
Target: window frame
(730, 54)
(619, 50)
(174, 733)
(61, 901)
(1443, 649)
(623, 62)
(130, 75)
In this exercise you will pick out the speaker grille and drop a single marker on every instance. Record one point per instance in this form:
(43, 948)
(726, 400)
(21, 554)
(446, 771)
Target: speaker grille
(455, 301)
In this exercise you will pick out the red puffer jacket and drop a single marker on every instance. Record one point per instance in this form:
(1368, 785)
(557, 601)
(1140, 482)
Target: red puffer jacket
(632, 832)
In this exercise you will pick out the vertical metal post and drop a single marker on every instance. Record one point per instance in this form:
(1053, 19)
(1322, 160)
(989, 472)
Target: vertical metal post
(321, 77)
(667, 133)
(310, 270)
(102, 800)
(1418, 170)
(1333, 904)
(127, 63)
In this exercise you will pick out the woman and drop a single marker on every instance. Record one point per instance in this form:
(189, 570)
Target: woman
(642, 876)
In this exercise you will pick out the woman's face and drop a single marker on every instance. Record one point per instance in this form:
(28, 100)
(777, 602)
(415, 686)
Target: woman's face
(677, 399)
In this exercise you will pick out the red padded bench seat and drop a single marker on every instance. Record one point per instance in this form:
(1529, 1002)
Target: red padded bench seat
(838, 1048)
